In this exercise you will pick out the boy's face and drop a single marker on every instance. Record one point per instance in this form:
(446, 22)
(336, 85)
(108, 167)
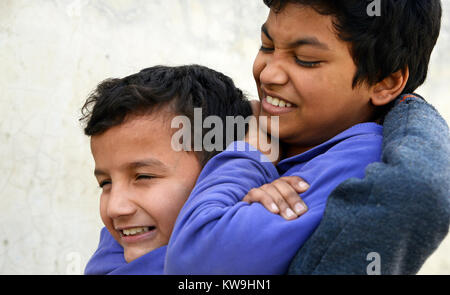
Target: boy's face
(303, 62)
(145, 182)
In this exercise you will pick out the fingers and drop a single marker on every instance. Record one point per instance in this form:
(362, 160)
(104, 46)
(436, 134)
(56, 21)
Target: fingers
(281, 196)
(290, 196)
(275, 201)
(284, 210)
(257, 195)
(297, 183)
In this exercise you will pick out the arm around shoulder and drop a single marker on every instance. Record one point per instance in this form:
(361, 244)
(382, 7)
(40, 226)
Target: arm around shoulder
(400, 211)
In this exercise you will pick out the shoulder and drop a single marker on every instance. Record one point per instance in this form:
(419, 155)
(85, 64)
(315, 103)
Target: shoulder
(363, 138)
(356, 147)
(346, 156)
(416, 153)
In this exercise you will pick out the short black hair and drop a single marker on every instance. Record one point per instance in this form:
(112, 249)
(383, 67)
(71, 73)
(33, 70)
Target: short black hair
(402, 36)
(181, 88)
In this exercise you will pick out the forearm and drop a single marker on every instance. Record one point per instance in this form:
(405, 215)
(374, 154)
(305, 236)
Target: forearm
(214, 225)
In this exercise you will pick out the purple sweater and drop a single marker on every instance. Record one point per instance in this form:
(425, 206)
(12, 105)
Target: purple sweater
(216, 233)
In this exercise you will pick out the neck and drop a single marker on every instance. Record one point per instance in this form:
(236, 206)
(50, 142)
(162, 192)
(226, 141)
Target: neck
(290, 150)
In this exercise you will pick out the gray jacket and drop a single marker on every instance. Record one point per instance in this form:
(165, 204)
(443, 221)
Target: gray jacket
(391, 221)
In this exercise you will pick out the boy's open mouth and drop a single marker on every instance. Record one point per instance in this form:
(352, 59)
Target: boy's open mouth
(276, 106)
(134, 231)
(278, 102)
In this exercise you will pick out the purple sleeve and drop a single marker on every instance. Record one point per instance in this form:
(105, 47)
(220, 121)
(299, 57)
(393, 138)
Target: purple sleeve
(107, 257)
(216, 233)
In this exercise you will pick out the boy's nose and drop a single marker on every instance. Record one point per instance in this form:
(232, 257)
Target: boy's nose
(273, 73)
(119, 203)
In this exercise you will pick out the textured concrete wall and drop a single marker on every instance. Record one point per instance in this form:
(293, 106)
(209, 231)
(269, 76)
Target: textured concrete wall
(53, 53)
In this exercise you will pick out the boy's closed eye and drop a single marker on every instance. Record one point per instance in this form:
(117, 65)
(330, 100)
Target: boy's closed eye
(103, 183)
(301, 62)
(145, 179)
(145, 176)
(138, 177)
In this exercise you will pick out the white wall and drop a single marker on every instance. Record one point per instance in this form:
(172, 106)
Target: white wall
(53, 53)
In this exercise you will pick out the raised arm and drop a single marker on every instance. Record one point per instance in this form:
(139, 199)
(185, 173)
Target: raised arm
(400, 212)
(205, 234)
(216, 233)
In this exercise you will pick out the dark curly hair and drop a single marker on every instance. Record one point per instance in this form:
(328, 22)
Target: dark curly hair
(402, 36)
(181, 88)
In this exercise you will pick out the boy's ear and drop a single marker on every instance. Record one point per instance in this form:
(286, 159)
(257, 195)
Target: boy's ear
(387, 90)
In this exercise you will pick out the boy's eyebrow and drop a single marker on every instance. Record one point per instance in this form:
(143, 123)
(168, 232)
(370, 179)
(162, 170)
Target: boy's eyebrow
(138, 164)
(313, 41)
(98, 172)
(151, 162)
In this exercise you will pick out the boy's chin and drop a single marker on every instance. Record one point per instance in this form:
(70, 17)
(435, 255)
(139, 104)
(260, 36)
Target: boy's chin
(133, 253)
(279, 129)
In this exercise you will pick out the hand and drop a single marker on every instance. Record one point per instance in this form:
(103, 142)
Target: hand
(281, 196)
(253, 137)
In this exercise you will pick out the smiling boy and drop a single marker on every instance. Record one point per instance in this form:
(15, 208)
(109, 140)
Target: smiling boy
(329, 101)
(312, 70)
(151, 181)
(144, 180)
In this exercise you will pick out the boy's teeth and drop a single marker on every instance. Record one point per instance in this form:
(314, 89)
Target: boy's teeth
(278, 102)
(275, 101)
(135, 230)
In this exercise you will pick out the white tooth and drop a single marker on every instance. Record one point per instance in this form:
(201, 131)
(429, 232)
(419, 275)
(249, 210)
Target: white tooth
(288, 104)
(275, 101)
(136, 230)
(281, 104)
(269, 99)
